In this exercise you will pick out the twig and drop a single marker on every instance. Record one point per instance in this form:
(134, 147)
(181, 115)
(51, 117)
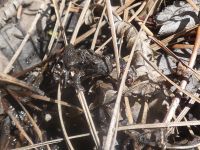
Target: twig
(166, 41)
(87, 34)
(88, 116)
(174, 84)
(64, 22)
(58, 23)
(31, 29)
(35, 126)
(13, 81)
(47, 99)
(183, 46)
(80, 21)
(174, 55)
(19, 126)
(91, 31)
(59, 18)
(145, 112)
(159, 125)
(170, 81)
(69, 144)
(128, 110)
(113, 32)
(182, 114)
(176, 100)
(37, 129)
(97, 30)
(103, 45)
(39, 144)
(138, 11)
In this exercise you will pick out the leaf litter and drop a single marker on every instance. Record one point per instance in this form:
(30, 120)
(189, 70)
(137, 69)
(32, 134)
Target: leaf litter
(88, 74)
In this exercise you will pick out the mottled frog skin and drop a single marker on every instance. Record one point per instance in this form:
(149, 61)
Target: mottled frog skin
(83, 63)
(86, 61)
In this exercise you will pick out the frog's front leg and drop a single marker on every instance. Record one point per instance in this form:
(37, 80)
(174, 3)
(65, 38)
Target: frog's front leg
(65, 77)
(77, 80)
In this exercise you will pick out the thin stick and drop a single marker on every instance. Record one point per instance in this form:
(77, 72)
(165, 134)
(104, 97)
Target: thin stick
(128, 110)
(174, 55)
(113, 32)
(107, 41)
(168, 39)
(97, 30)
(138, 11)
(48, 99)
(110, 139)
(64, 21)
(31, 29)
(19, 127)
(183, 46)
(79, 136)
(35, 126)
(80, 21)
(59, 18)
(159, 125)
(88, 116)
(86, 34)
(103, 45)
(39, 144)
(170, 81)
(182, 114)
(91, 31)
(69, 144)
(37, 129)
(13, 81)
(176, 100)
(62, 6)
(145, 112)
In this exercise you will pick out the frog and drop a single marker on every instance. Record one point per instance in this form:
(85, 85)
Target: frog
(77, 65)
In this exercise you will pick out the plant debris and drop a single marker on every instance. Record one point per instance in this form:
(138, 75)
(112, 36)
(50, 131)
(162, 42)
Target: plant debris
(106, 74)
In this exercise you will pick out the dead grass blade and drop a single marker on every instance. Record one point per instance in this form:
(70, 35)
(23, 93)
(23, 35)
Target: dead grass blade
(114, 37)
(97, 30)
(89, 119)
(59, 18)
(39, 144)
(4, 78)
(68, 142)
(80, 21)
(159, 125)
(19, 127)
